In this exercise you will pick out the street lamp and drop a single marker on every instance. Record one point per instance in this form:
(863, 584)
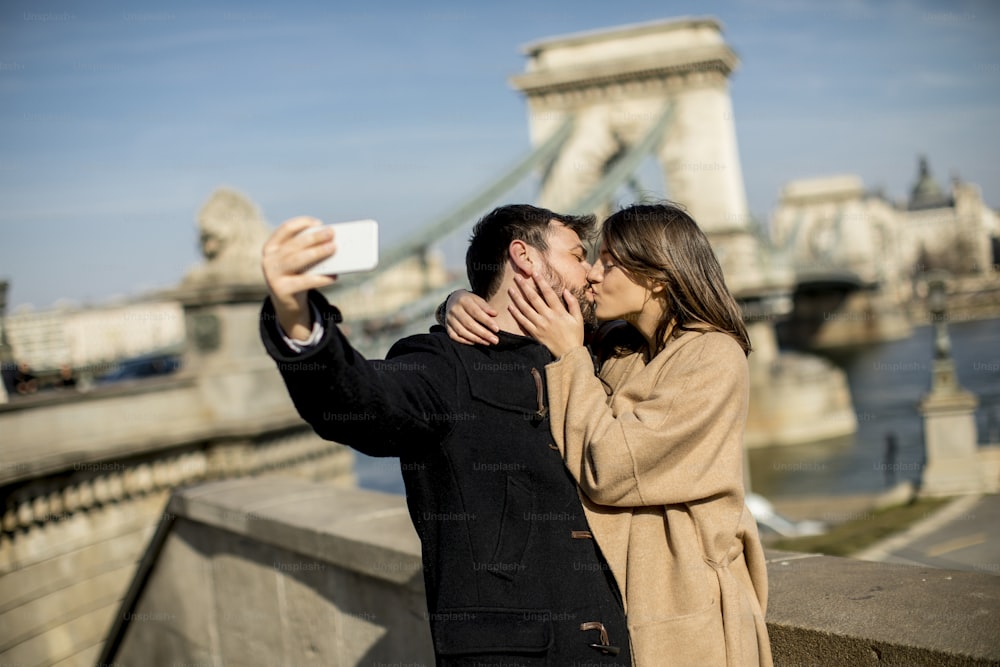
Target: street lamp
(937, 305)
(950, 441)
(943, 377)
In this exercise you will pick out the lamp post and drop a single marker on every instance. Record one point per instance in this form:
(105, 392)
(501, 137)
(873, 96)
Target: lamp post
(943, 376)
(953, 464)
(937, 305)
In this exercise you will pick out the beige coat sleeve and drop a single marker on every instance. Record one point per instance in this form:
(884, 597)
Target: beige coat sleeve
(672, 434)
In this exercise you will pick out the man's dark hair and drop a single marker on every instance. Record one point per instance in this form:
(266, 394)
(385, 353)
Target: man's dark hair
(492, 236)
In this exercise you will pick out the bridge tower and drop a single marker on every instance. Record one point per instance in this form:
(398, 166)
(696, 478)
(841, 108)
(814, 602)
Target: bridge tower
(617, 84)
(662, 89)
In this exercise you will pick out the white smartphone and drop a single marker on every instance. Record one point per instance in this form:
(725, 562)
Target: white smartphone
(357, 248)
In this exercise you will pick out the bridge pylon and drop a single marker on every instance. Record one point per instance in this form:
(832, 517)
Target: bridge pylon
(618, 84)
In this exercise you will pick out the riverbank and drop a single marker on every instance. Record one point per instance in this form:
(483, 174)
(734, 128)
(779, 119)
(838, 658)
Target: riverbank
(854, 522)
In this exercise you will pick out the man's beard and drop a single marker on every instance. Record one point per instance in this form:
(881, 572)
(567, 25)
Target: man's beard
(587, 307)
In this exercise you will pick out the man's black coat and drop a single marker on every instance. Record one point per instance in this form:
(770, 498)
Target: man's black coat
(511, 572)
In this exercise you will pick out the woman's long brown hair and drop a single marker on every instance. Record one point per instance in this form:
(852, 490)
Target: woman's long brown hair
(662, 244)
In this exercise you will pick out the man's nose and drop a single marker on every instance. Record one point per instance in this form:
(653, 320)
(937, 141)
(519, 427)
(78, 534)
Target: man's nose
(594, 275)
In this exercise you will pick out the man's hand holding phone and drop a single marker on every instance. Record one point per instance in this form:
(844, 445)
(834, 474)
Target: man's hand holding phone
(287, 256)
(302, 254)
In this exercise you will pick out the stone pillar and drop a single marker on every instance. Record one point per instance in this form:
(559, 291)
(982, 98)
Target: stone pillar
(225, 354)
(580, 165)
(953, 465)
(614, 83)
(765, 351)
(240, 389)
(700, 159)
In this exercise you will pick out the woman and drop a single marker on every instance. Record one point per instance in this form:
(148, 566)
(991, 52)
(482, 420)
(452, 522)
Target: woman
(656, 442)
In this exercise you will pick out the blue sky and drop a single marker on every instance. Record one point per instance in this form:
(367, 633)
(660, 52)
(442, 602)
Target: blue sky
(119, 119)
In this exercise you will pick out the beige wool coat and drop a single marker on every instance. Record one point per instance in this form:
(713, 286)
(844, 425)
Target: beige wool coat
(658, 455)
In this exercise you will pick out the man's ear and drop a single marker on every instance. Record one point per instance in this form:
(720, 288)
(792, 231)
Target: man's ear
(521, 256)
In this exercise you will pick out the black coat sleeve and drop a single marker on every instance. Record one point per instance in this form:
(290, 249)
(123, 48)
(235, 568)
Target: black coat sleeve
(378, 407)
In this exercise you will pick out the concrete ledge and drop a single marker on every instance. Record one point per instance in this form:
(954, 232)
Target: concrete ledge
(276, 571)
(367, 532)
(840, 611)
(245, 555)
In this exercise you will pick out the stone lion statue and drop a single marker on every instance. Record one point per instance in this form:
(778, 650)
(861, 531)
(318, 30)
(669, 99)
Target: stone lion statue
(231, 234)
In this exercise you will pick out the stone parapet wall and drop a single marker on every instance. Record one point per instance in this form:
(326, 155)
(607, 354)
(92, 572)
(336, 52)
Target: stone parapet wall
(281, 571)
(84, 475)
(68, 551)
(841, 611)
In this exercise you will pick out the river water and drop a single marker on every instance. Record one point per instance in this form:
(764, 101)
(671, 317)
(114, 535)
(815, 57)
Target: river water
(887, 381)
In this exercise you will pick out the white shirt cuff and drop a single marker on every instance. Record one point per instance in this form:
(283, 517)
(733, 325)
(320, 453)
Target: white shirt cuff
(315, 336)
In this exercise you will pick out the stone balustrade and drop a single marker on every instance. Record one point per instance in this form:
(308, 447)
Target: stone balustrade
(286, 572)
(83, 481)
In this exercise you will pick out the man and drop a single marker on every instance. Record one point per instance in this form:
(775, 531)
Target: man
(25, 381)
(511, 571)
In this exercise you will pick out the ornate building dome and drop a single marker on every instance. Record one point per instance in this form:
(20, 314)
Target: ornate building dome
(926, 193)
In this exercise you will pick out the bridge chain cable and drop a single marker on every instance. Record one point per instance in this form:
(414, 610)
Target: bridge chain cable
(421, 310)
(422, 238)
(416, 317)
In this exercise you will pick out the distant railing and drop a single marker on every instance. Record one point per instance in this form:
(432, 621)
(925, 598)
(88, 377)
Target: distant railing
(281, 571)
